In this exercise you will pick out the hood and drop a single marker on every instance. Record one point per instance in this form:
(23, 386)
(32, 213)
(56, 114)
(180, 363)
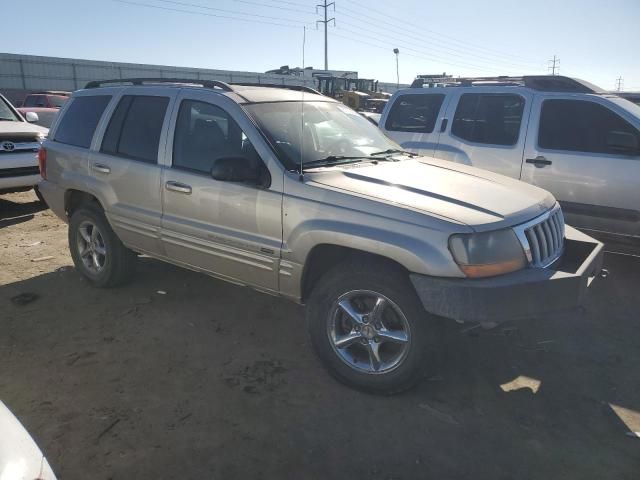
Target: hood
(21, 127)
(478, 198)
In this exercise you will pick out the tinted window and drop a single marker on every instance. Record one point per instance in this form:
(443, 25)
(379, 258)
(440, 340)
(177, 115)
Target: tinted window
(31, 101)
(488, 118)
(580, 126)
(135, 128)
(414, 113)
(205, 133)
(79, 122)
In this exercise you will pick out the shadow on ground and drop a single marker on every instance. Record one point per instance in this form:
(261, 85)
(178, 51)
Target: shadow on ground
(12, 213)
(215, 381)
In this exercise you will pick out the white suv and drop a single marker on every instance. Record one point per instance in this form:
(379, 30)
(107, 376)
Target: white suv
(19, 144)
(564, 135)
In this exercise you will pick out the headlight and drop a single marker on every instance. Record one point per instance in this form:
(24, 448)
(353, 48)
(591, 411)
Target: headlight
(487, 254)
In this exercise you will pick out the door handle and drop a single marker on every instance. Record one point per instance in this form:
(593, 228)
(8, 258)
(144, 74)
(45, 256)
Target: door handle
(443, 125)
(178, 187)
(98, 167)
(539, 162)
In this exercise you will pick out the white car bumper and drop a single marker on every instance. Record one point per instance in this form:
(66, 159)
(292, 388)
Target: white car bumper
(18, 170)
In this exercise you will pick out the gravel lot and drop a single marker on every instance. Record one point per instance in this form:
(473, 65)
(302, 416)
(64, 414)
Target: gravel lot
(216, 381)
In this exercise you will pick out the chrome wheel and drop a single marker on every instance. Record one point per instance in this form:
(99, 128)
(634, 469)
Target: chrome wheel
(368, 331)
(91, 247)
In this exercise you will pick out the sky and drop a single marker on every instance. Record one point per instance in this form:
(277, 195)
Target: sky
(594, 40)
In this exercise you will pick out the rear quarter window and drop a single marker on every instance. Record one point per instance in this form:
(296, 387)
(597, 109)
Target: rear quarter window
(80, 120)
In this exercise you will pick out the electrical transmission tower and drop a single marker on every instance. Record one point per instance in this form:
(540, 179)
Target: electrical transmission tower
(619, 83)
(554, 65)
(326, 22)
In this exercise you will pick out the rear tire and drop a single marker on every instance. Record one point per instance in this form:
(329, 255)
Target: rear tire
(97, 252)
(369, 328)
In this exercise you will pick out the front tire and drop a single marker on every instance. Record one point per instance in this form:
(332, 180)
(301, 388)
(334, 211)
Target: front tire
(97, 252)
(369, 328)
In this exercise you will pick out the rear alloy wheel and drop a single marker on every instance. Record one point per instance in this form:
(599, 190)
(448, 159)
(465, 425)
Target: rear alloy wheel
(369, 328)
(97, 252)
(91, 247)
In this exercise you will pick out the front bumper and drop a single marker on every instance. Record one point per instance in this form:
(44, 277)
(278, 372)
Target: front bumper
(527, 293)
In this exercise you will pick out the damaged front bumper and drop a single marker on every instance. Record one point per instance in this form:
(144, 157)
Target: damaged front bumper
(523, 294)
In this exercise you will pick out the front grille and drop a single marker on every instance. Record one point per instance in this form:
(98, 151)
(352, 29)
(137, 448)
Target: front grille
(19, 172)
(29, 137)
(543, 238)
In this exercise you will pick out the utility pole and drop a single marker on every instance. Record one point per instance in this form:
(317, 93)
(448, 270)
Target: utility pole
(326, 21)
(619, 83)
(554, 65)
(397, 52)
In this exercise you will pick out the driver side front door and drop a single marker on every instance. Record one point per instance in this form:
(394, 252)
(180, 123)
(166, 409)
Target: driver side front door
(230, 230)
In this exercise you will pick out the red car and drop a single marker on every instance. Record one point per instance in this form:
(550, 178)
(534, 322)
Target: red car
(45, 105)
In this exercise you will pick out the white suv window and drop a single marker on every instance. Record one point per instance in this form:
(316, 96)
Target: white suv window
(581, 126)
(414, 113)
(489, 118)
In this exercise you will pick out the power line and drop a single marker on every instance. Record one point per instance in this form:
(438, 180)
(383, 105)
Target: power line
(204, 7)
(554, 65)
(325, 6)
(386, 48)
(399, 40)
(250, 20)
(404, 24)
(619, 84)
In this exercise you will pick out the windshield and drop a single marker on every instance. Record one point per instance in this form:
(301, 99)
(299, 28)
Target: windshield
(6, 112)
(330, 130)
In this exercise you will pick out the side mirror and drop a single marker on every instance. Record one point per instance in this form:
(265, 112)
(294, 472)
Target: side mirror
(622, 142)
(234, 169)
(31, 117)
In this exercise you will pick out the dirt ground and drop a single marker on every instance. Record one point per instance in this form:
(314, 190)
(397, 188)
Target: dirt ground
(214, 381)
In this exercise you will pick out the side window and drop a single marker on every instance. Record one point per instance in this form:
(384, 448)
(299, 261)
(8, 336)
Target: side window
(135, 128)
(581, 126)
(30, 101)
(204, 133)
(488, 118)
(80, 120)
(414, 113)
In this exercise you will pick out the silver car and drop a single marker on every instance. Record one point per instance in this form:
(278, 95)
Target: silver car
(295, 194)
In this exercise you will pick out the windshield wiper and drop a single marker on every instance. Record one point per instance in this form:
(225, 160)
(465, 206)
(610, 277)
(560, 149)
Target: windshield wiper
(3, 119)
(334, 160)
(391, 151)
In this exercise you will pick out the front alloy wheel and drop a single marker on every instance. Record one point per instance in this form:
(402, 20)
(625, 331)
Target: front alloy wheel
(369, 328)
(368, 331)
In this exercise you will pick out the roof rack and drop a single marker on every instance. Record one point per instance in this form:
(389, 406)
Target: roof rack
(141, 81)
(299, 88)
(545, 83)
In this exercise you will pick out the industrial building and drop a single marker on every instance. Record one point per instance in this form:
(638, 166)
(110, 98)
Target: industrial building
(21, 74)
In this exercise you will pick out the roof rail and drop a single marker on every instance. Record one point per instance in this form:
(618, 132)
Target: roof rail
(545, 83)
(299, 88)
(141, 81)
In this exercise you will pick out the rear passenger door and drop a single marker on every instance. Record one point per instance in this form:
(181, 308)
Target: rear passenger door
(571, 152)
(486, 129)
(125, 166)
(231, 230)
(414, 121)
